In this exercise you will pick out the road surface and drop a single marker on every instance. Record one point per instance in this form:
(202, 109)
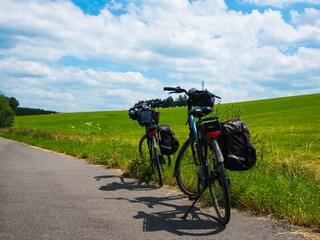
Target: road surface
(45, 195)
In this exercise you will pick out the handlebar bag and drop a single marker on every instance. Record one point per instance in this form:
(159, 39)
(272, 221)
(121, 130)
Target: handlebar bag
(202, 99)
(239, 154)
(169, 144)
(148, 117)
(134, 114)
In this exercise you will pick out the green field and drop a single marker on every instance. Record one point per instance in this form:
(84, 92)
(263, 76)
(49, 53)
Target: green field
(285, 182)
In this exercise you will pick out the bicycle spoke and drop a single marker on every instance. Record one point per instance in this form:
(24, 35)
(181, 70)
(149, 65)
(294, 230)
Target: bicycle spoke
(186, 169)
(218, 186)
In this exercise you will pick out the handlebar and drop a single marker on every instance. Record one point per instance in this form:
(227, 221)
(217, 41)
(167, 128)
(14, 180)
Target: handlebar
(175, 90)
(147, 105)
(169, 89)
(181, 90)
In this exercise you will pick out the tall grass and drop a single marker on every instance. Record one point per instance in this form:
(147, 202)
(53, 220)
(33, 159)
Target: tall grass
(284, 182)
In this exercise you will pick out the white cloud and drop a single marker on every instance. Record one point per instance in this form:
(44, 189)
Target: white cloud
(86, 89)
(113, 5)
(157, 29)
(153, 44)
(15, 67)
(43, 94)
(310, 17)
(279, 3)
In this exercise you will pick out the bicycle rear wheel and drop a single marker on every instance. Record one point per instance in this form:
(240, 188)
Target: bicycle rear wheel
(186, 168)
(149, 153)
(156, 162)
(218, 183)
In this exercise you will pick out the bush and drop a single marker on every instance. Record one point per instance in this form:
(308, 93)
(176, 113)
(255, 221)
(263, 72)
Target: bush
(6, 113)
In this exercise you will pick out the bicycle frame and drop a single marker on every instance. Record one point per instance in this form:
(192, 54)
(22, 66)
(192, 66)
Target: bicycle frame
(201, 149)
(153, 140)
(193, 128)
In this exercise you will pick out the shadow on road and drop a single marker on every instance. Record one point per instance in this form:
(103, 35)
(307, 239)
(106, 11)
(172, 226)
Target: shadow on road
(170, 211)
(121, 184)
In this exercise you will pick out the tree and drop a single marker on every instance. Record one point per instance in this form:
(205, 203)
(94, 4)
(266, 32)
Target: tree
(169, 102)
(6, 112)
(13, 102)
(181, 101)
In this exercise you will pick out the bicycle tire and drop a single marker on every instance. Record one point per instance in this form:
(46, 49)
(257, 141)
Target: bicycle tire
(149, 153)
(144, 149)
(218, 183)
(186, 168)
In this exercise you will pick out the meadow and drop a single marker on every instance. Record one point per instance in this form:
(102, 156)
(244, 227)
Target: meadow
(284, 183)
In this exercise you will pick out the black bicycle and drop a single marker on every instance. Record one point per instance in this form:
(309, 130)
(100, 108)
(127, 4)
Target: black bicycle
(149, 144)
(200, 163)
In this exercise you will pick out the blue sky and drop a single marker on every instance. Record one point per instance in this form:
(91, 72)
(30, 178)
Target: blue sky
(90, 55)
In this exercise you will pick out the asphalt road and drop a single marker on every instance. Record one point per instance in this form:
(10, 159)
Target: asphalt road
(45, 195)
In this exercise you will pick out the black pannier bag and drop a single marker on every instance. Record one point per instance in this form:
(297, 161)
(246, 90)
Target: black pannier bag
(169, 144)
(238, 152)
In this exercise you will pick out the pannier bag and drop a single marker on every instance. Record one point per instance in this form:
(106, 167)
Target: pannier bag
(239, 154)
(169, 144)
(211, 127)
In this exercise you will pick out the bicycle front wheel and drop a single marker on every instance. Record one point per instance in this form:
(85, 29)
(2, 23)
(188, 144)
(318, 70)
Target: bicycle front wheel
(145, 148)
(218, 183)
(186, 168)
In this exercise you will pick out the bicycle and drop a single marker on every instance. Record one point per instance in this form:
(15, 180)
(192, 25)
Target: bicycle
(149, 144)
(200, 163)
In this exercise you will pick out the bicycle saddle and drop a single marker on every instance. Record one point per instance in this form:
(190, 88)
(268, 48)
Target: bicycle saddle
(200, 111)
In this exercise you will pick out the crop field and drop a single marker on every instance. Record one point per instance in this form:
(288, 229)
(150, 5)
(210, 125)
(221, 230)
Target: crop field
(284, 183)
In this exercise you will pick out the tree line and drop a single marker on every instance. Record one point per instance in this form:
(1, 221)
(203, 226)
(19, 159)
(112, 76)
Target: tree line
(9, 107)
(168, 102)
(23, 111)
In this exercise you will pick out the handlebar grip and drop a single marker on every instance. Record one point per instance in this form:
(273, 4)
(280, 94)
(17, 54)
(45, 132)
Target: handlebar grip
(169, 89)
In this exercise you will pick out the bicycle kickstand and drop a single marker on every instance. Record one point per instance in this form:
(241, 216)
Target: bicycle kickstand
(145, 174)
(194, 202)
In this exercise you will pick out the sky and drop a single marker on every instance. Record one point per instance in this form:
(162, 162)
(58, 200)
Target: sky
(97, 55)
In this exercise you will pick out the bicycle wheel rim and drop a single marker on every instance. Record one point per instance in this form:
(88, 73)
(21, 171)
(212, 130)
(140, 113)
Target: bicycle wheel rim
(144, 149)
(186, 169)
(218, 186)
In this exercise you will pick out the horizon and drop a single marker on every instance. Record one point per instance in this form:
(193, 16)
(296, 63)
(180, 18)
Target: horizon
(253, 100)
